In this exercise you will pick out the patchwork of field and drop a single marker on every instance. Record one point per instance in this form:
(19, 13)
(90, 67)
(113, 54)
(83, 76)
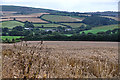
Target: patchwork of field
(101, 29)
(58, 18)
(60, 59)
(11, 24)
(29, 17)
(74, 25)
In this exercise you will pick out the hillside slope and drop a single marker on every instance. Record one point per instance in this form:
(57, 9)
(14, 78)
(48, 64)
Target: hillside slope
(26, 10)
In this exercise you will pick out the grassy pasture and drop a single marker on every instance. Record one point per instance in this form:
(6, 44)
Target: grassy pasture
(101, 29)
(10, 37)
(58, 18)
(11, 24)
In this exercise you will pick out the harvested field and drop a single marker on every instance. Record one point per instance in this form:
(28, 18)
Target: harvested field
(115, 18)
(7, 19)
(60, 59)
(6, 13)
(29, 17)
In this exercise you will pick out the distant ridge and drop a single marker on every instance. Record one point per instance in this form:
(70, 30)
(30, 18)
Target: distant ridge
(24, 9)
(29, 10)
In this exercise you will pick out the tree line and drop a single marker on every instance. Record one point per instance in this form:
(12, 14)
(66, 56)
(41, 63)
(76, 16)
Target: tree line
(58, 33)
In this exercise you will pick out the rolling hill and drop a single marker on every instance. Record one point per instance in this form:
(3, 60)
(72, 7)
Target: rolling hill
(15, 16)
(53, 24)
(26, 10)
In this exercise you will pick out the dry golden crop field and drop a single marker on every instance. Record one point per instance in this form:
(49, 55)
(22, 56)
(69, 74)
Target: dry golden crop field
(8, 14)
(115, 18)
(29, 17)
(7, 19)
(60, 59)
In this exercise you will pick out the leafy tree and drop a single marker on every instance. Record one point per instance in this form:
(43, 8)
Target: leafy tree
(7, 40)
(5, 29)
(18, 28)
(28, 25)
(4, 34)
(13, 40)
(108, 32)
(42, 26)
(14, 18)
(99, 33)
(88, 27)
(83, 33)
(90, 33)
(16, 33)
(81, 28)
(115, 31)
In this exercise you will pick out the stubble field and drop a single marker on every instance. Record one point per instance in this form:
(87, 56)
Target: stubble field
(60, 59)
(29, 17)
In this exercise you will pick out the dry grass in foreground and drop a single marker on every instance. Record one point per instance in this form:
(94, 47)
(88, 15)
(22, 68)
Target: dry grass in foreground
(59, 60)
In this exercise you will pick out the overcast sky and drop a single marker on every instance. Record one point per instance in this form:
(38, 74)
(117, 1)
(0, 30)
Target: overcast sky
(68, 5)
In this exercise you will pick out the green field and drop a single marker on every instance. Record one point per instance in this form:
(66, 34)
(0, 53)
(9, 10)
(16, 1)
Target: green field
(11, 24)
(74, 25)
(58, 18)
(10, 37)
(48, 25)
(101, 29)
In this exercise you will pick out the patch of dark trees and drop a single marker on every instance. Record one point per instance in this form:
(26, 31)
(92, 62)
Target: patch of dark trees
(95, 21)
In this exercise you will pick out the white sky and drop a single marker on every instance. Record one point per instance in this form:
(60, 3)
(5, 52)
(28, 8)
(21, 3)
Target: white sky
(68, 5)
